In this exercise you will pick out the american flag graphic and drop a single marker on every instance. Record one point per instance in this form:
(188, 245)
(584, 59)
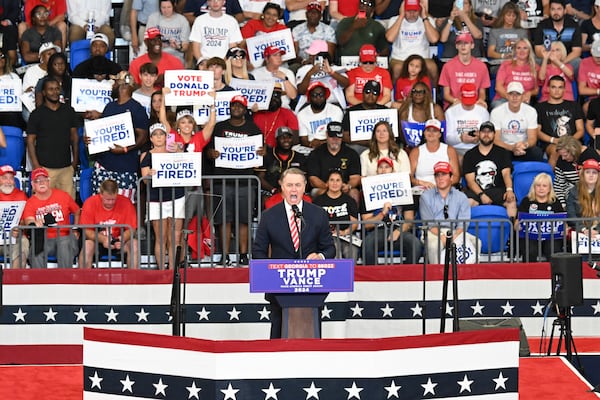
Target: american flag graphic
(476, 365)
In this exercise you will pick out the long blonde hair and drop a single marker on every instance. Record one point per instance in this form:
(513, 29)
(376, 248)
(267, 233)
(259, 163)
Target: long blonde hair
(531, 61)
(229, 71)
(539, 179)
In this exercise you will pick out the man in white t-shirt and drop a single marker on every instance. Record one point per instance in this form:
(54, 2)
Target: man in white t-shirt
(214, 33)
(516, 126)
(314, 117)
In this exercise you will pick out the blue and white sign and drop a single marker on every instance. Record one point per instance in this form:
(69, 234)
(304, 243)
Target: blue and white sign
(256, 92)
(413, 132)
(176, 169)
(105, 132)
(301, 276)
(380, 189)
(90, 94)
(10, 217)
(188, 87)
(363, 121)
(542, 226)
(10, 95)
(202, 112)
(239, 153)
(283, 39)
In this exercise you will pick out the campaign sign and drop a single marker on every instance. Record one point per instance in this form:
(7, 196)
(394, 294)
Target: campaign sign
(90, 94)
(202, 112)
(413, 132)
(188, 87)
(363, 121)
(258, 92)
(28, 100)
(350, 62)
(283, 39)
(379, 189)
(10, 95)
(11, 215)
(582, 243)
(542, 226)
(238, 153)
(105, 132)
(301, 276)
(177, 169)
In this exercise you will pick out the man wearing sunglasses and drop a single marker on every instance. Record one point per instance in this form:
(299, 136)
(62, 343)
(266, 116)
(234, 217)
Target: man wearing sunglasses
(354, 32)
(313, 118)
(368, 71)
(439, 206)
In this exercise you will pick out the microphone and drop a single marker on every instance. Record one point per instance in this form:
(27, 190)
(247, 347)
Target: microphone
(296, 210)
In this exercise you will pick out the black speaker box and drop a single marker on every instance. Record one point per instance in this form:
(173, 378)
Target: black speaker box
(498, 323)
(567, 281)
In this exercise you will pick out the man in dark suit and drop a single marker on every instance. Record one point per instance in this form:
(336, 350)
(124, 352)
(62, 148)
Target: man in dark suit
(274, 237)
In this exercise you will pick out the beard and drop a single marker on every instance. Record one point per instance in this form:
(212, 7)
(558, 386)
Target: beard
(318, 107)
(7, 189)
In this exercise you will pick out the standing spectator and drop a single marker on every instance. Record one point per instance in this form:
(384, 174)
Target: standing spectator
(155, 55)
(93, 66)
(195, 8)
(148, 77)
(558, 117)
(37, 72)
(52, 139)
(382, 145)
(10, 15)
(8, 192)
(49, 208)
(270, 120)
(461, 21)
(305, 34)
(566, 172)
(57, 10)
(553, 64)
(385, 10)
(82, 12)
(253, 8)
(368, 71)
(516, 126)
(522, 68)
(214, 33)
(296, 8)
(316, 115)
(275, 72)
(9, 118)
(464, 68)
(40, 33)
(174, 29)
(57, 69)
(354, 32)
(108, 208)
(138, 21)
(340, 9)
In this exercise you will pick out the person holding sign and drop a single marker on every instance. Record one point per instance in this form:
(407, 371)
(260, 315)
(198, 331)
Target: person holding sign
(382, 145)
(268, 22)
(417, 109)
(293, 229)
(367, 71)
(540, 201)
(9, 193)
(273, 71)
(399, 237)
(441, 205)
(167, 206)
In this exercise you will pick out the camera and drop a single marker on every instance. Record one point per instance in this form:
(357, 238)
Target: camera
(471, 133)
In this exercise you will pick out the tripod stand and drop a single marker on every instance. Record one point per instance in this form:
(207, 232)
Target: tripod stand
(450, 258)
(563, 322)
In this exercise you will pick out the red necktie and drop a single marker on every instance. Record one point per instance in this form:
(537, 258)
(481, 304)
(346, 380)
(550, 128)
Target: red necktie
(294, 231)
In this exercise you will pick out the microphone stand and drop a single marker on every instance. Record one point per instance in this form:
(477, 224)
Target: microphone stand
(298, 215)
(175, 309)
(449, 258)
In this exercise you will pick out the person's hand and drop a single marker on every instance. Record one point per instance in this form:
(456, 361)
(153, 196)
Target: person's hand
(485, 199)
(261, 151)
(359, 23)
(135, 45)
(424, 8)
(279, 74)
(87, 140)
(174, 147)
(466, 138)
(394, 235)
(314, 256)
(482, 103)
(509, 196)
(118, 149)
(166, 90)
(212, 154)
(92, 114)
(545, 54)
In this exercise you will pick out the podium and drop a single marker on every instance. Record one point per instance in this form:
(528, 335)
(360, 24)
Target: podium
(300, 287)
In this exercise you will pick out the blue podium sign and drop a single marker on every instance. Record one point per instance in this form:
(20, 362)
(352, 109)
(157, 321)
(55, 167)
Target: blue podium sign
(301, 276)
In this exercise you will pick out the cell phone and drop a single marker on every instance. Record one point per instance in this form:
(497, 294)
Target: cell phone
(459, 4)
(362, 14)
(471, 133)
(547, 42)
(170, 138)
(319, 60)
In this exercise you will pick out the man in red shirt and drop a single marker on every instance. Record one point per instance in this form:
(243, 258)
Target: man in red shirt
(108, 208)
(49, 208)
(276, 117)
(164, 61)
(9, 193)
(368, 71)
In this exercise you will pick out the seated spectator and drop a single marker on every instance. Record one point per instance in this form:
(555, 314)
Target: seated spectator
(541, 200)
(360, 29)
(553, 63)
(97, 64)
(148, 77)
(316, 115)
(439, 206)
(108, 208)
(39, 33)
(307, 33)
(461, 21)
(10, 16)
(340, 208)
(155, 55)
(9, 118)
(269, 121)
(79, 13)
(48, 208)
(174, 29)
(489, 12)
(487, 170)
(566, 171)
(505, 33)
(56, 16)
(237, 65)
(399, 236)
(273, 71)
(418, 108)
(58, 70)
(557, 117)
(8, 192)
(414, 69)
(583, 199)
(464, 68)
(382, 145)
(368, 71)
(516, 126)
(589, 29)
(522, 68)
(411, 33)
(195, 8)
(253, 8)
(431, 151)
(268, 22)
(588, 77)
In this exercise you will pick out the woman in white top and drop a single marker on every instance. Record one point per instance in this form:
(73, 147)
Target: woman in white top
(432, 150)
(382, 145)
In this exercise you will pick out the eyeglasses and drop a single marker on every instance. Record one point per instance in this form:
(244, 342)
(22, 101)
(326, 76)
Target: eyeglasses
(317, 94)
(371, 91)
(41, 14)
(239, 56)
(368, 62)
(2, 56)
(41, 180)
(418, 91)
(445, 211)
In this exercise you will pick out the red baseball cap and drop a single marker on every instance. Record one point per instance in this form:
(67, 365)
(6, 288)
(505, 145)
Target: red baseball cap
(386, 160)
(442, 166)
(464, 37)
(317, 84)
(412, 5)
(314, 5)
(591, 164)
(468, 94)
(368, 53)
(152, 33)
(36, 173)
(6, 169)
(239, 99)
(270, 50)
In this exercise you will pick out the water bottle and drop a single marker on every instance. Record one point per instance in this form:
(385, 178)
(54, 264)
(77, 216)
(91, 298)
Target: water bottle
(91, 25)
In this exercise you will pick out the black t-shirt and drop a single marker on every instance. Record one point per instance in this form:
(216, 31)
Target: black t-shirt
(535, 207)
(356, 107)
(340, 209)
(321, 162)
(225, 129)
(589, 153)
(594, 112)
(488, 168)
(559, 119)
(274, 164)
(570, 35)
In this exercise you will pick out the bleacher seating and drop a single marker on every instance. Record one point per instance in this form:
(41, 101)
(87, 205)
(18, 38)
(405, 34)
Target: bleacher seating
(15, 147)
(491, 226)
(525, 172)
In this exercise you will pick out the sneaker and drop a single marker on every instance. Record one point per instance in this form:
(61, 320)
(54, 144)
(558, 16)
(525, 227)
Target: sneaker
(226, 261)
(243, 259)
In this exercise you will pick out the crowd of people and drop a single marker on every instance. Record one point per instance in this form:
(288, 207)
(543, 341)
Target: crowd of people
(511, 82)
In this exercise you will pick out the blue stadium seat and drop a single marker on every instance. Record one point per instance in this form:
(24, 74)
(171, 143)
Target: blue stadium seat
(525, 172)
(84, 161)
(85, 184)
(79, 51)
(15, 147)
(493, 235)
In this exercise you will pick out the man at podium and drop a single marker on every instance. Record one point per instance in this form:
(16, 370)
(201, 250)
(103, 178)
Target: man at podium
(292, 229)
